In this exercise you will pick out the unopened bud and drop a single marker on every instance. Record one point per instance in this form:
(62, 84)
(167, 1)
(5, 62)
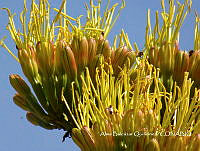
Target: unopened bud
(21, 102)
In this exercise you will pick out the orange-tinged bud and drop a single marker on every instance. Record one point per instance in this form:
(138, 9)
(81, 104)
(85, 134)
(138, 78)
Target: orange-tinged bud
(116, 55)
(58, 57)
(19, 84)
(181, 66)
(100, 40)
(120, 57)
(154, 57)
(106, 50)
(32, 118)
(185, 63)
(75, 47)
(194, 66)
(78, 138)
(93, 65)
(89, 138)
(92, 49)
(132, 57)
(69, 63)
(45, 52)
(193, 58)
(112, 55)
(83, 53)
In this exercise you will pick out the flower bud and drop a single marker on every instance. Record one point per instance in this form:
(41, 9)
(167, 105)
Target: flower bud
(83, 53)
(167, 64)
(45, 57)
(69, 63)
(58, 57)
(89, 139)
(181, 66)
(19, 84)
(194, 66)
(75, 47)
(78, 138)
(106, 50)
(100, 43)
(123, 56)
(132, 57)
(21, 102)
(154, 57)
(28, 63)
(92, 48)
(31, 117)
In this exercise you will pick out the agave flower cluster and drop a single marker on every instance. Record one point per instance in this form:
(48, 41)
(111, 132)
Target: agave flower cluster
(103, 94)
(128, 114)
(51, 62)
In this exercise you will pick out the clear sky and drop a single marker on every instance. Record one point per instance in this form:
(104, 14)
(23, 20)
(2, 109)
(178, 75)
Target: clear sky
(16, 133)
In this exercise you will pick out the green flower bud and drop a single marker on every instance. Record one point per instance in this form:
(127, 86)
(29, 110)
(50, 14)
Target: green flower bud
(167, 64)
(19, 84)
(28, 63)
(31, 117)
(21, 102)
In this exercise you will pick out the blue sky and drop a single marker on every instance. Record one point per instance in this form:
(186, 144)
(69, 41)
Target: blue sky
(18, 134)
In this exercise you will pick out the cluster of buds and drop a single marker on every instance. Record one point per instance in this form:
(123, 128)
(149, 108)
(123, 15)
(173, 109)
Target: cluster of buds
(176, 63)
(51, 67)
(52, 64)
(171, 61)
